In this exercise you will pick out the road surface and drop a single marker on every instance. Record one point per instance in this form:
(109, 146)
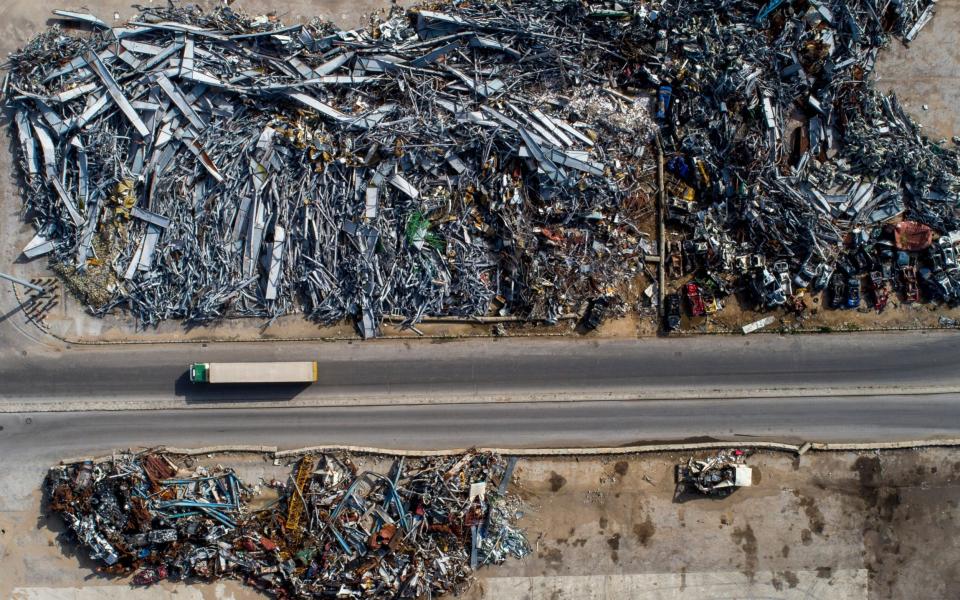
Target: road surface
(390, 373)
(29, 443)
(565, 424)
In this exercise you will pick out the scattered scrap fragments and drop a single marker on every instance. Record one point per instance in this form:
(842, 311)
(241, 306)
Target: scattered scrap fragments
(788, 172)
(480, 158)
(717, 475)
(461, 163)
(332, 531)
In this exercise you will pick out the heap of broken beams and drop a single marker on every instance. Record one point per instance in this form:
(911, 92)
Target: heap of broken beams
(477, 159)
(200, 165)
(333, 530)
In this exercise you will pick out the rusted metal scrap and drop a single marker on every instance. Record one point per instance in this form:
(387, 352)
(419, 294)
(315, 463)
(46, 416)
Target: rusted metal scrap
(420, 529)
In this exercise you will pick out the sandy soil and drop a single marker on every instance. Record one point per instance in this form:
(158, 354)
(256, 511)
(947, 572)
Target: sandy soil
(825, 525)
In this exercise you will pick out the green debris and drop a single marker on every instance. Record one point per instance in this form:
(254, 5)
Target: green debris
(417, 229)
(418, 233)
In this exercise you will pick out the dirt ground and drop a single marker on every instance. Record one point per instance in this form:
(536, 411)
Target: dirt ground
(818, 317)
(825, 525)
(873, 525)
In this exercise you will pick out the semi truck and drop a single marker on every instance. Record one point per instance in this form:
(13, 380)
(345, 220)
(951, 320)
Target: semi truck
(255, 372)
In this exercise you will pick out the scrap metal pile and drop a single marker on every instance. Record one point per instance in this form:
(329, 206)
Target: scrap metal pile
(419, 530)
(456, 162)
(717, 475)
(785, 162)
(474, 158)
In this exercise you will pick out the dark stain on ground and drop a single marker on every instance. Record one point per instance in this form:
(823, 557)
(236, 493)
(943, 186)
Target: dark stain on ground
(868, 472)
(553, 557)
(814, 516)
(881, 498)
(792, 579)
(806, 537)
(644, 531)
(614, 543)
(889, 504)
(785, 551)
(621, 468)
(777, 583)
(824, 572)
(557, 481)
(689, 440)
(603, 522)
(747, 541)
(581, 542)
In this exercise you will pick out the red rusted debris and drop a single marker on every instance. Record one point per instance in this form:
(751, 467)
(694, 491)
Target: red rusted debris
(912, 236)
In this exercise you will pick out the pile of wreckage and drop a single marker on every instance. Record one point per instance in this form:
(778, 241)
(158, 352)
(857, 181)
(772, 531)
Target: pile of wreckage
(419, 530)
(473, 159)
(788, 172)
(197, 165)
(717, 475)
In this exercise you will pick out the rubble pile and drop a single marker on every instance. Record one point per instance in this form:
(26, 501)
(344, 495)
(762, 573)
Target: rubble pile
(456, 163)
(419, 530)
(785, 163)
(717, 475)
(475, 158)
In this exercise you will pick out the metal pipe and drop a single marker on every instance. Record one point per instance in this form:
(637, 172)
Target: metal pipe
(22, 282)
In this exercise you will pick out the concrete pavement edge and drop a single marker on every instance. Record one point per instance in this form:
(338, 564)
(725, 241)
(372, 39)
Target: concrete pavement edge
(557, 452)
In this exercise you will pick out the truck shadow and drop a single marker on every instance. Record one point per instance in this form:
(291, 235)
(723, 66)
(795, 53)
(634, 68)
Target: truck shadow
(206, 393)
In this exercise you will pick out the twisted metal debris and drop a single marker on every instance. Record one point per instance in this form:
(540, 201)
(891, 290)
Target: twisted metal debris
(474, 158)
(785, 162)
(200, 165)
(418, 530)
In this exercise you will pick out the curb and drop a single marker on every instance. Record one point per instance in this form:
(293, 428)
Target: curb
(242, 449)
(541, 451)
(887, 445)
(535, 452)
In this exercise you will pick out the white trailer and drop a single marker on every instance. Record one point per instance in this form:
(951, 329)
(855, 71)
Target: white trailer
(255, 372)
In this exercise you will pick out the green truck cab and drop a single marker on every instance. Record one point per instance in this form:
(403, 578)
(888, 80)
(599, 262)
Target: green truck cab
(199, 373)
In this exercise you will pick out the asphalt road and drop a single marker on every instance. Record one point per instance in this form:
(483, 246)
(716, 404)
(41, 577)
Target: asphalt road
(483, 371)
(31, 442)
(797, 388)
(858, 418)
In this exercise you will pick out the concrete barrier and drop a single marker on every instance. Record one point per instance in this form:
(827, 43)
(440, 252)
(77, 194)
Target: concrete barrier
(554, 452)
